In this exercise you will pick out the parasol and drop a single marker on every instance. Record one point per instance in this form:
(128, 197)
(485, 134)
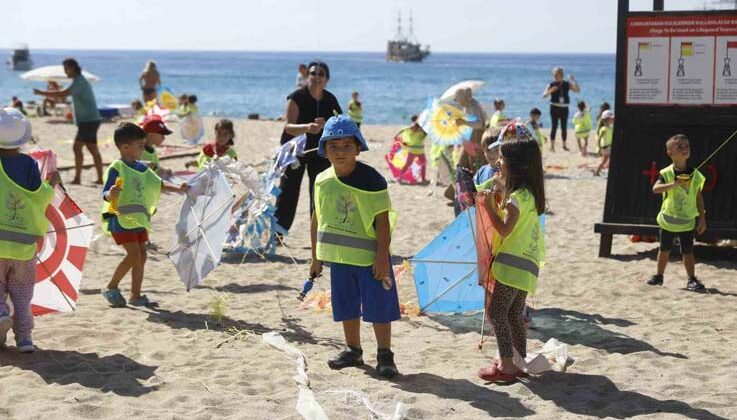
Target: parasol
(55, 73)
(449, 94)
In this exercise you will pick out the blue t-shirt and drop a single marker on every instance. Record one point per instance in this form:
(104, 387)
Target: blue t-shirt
(83, 101)
(484, 174)
(23, 170)
(364, 177)
(113, 225)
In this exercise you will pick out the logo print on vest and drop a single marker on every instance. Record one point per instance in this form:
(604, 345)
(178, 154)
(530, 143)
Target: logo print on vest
(15, 207)
(138, 188)
(346, 206)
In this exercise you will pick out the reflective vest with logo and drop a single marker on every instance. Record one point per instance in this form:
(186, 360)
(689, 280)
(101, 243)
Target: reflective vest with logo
(152, 158)
(137, 199)
(517, 260)
(345, 220)
(203, 159)
(22, 217)
(355, 112)
(679, 210)
(414, 141)
(582, 124)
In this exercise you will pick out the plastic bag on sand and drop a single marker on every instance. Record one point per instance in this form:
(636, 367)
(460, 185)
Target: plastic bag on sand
(537, 363)
(308, 407)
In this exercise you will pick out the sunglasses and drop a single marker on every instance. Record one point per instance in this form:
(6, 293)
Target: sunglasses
(318, 73)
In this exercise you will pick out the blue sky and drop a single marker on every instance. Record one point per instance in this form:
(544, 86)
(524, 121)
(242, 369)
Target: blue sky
(327, 25)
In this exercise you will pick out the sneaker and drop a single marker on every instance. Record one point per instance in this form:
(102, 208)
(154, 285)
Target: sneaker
(694, 285)
(350, 357)
(25, 346)
(657, 280)
(114, 298)
(5, 325)
(141, 301)
(385, 363)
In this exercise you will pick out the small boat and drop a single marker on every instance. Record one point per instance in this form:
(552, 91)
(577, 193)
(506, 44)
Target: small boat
(20, 59)
(405, 48)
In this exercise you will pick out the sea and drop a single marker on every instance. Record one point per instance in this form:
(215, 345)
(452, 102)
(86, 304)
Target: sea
(236, 84)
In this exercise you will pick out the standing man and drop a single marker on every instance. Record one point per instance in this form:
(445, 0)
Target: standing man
(86, 117)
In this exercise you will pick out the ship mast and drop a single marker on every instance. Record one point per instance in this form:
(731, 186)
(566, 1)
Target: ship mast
(411, 35)
(399, 25)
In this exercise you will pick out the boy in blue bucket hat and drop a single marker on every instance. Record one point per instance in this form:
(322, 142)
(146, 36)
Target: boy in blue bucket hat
(351, 230)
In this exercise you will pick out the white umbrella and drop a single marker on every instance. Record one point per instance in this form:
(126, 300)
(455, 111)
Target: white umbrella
(55, 73)
(474, 85)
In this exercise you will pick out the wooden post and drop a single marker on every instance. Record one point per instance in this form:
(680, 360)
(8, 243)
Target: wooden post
(605, 245)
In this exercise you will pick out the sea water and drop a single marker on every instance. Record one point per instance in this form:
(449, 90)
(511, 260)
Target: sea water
(235, 84)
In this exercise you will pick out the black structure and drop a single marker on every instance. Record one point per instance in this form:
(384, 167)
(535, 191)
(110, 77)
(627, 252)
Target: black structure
(638, 149)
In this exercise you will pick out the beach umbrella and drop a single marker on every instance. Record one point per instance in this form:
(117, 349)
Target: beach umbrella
(204, 221)
(55, 73)
(445, 270)
(449, 94)
(61, 255)
(439, 122)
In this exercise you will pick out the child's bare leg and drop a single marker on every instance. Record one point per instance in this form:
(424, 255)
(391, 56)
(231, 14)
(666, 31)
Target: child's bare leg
(585, 147)
(580, 145)
(132, 256)
(137, 271)
(663, 261)
(689, 263)
(383, 332)
(352, 332)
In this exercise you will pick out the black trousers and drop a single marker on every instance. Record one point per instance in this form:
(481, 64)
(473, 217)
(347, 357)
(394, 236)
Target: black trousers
(558, 114)
(291, 183)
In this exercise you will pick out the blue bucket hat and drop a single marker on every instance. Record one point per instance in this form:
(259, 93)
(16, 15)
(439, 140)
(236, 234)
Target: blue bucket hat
(338, 127)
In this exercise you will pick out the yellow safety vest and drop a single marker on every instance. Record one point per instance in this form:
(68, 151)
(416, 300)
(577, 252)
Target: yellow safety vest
(414, 141)
(496, 117)
(517, 260)
(22, 217)
(203, 159)
(151, 157)
(345, 220)
(355, 112)
(138, 197)
(605, 136)
(582, 125)
(679, 210)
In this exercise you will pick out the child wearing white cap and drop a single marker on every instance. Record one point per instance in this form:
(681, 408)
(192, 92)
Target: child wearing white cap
(24, 197)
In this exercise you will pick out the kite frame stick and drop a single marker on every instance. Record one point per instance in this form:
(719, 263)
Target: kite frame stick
(449, 288)
(412, 260)
(51, 278)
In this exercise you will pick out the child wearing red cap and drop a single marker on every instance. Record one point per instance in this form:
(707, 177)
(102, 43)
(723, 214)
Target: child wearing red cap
(155, 130)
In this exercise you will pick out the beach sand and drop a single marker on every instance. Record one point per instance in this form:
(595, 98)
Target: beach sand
(640, 351)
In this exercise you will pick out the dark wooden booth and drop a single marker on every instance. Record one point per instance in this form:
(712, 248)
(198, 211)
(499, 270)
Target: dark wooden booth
(674, 75)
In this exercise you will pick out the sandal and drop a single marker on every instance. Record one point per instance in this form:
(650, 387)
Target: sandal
(114, 298)
(494, 374)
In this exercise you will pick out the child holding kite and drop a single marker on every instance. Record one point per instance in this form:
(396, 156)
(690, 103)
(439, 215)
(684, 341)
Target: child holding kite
(131, 193)
(682, 213)
(351, 229)
(24, 197)
(520, 253)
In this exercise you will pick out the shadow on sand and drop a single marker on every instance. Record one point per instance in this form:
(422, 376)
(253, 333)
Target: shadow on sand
(715, 256)
(115, 373)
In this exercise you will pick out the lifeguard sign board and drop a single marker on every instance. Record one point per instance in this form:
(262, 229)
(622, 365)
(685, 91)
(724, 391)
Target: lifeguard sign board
(676, 73)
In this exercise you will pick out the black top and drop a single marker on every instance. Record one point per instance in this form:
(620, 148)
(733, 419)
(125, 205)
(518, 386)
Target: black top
(309, 109)
(560, 96)
(364, 177)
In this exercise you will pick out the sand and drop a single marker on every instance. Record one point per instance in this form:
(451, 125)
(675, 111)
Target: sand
(640, 351)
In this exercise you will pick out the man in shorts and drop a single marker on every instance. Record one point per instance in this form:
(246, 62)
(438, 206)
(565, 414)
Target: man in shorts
(86, 117)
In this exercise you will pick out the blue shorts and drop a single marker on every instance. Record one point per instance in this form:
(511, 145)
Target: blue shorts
(355, 293)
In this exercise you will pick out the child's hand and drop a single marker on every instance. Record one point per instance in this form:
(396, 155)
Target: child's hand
(114, 191)
(701, 225)
(460, 122)
(315, 268)
(184, 188)
(381, 269)
(167, 172)
(55, 179)
(314, 128)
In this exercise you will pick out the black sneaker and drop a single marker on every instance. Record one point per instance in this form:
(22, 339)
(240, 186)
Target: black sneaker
(350, 357)
(694, 285)
(385, 366)
(657, 280)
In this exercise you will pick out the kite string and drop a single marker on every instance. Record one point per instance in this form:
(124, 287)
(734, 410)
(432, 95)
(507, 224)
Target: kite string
(718, 149)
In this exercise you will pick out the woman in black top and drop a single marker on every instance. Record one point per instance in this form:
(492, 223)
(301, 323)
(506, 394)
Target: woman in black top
(558, 91)
(307, 110)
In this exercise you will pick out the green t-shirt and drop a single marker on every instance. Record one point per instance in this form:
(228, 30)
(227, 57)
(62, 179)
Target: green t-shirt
(83, 101)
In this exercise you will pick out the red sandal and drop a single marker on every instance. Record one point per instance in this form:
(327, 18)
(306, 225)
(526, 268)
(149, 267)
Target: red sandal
(494, 374)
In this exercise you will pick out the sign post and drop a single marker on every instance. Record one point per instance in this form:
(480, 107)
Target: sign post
(674, 75)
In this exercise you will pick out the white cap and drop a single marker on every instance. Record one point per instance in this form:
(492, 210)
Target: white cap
(15, 130)
(607, 114)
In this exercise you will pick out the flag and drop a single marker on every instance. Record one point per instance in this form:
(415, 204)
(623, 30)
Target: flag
(731, 44)
(644, 46)
(686, 49)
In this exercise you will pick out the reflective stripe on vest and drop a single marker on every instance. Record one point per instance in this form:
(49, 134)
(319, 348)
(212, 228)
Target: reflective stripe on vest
(18, 237)
(133, 208)
(676, 220)
(347, 241)
(517, 262)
